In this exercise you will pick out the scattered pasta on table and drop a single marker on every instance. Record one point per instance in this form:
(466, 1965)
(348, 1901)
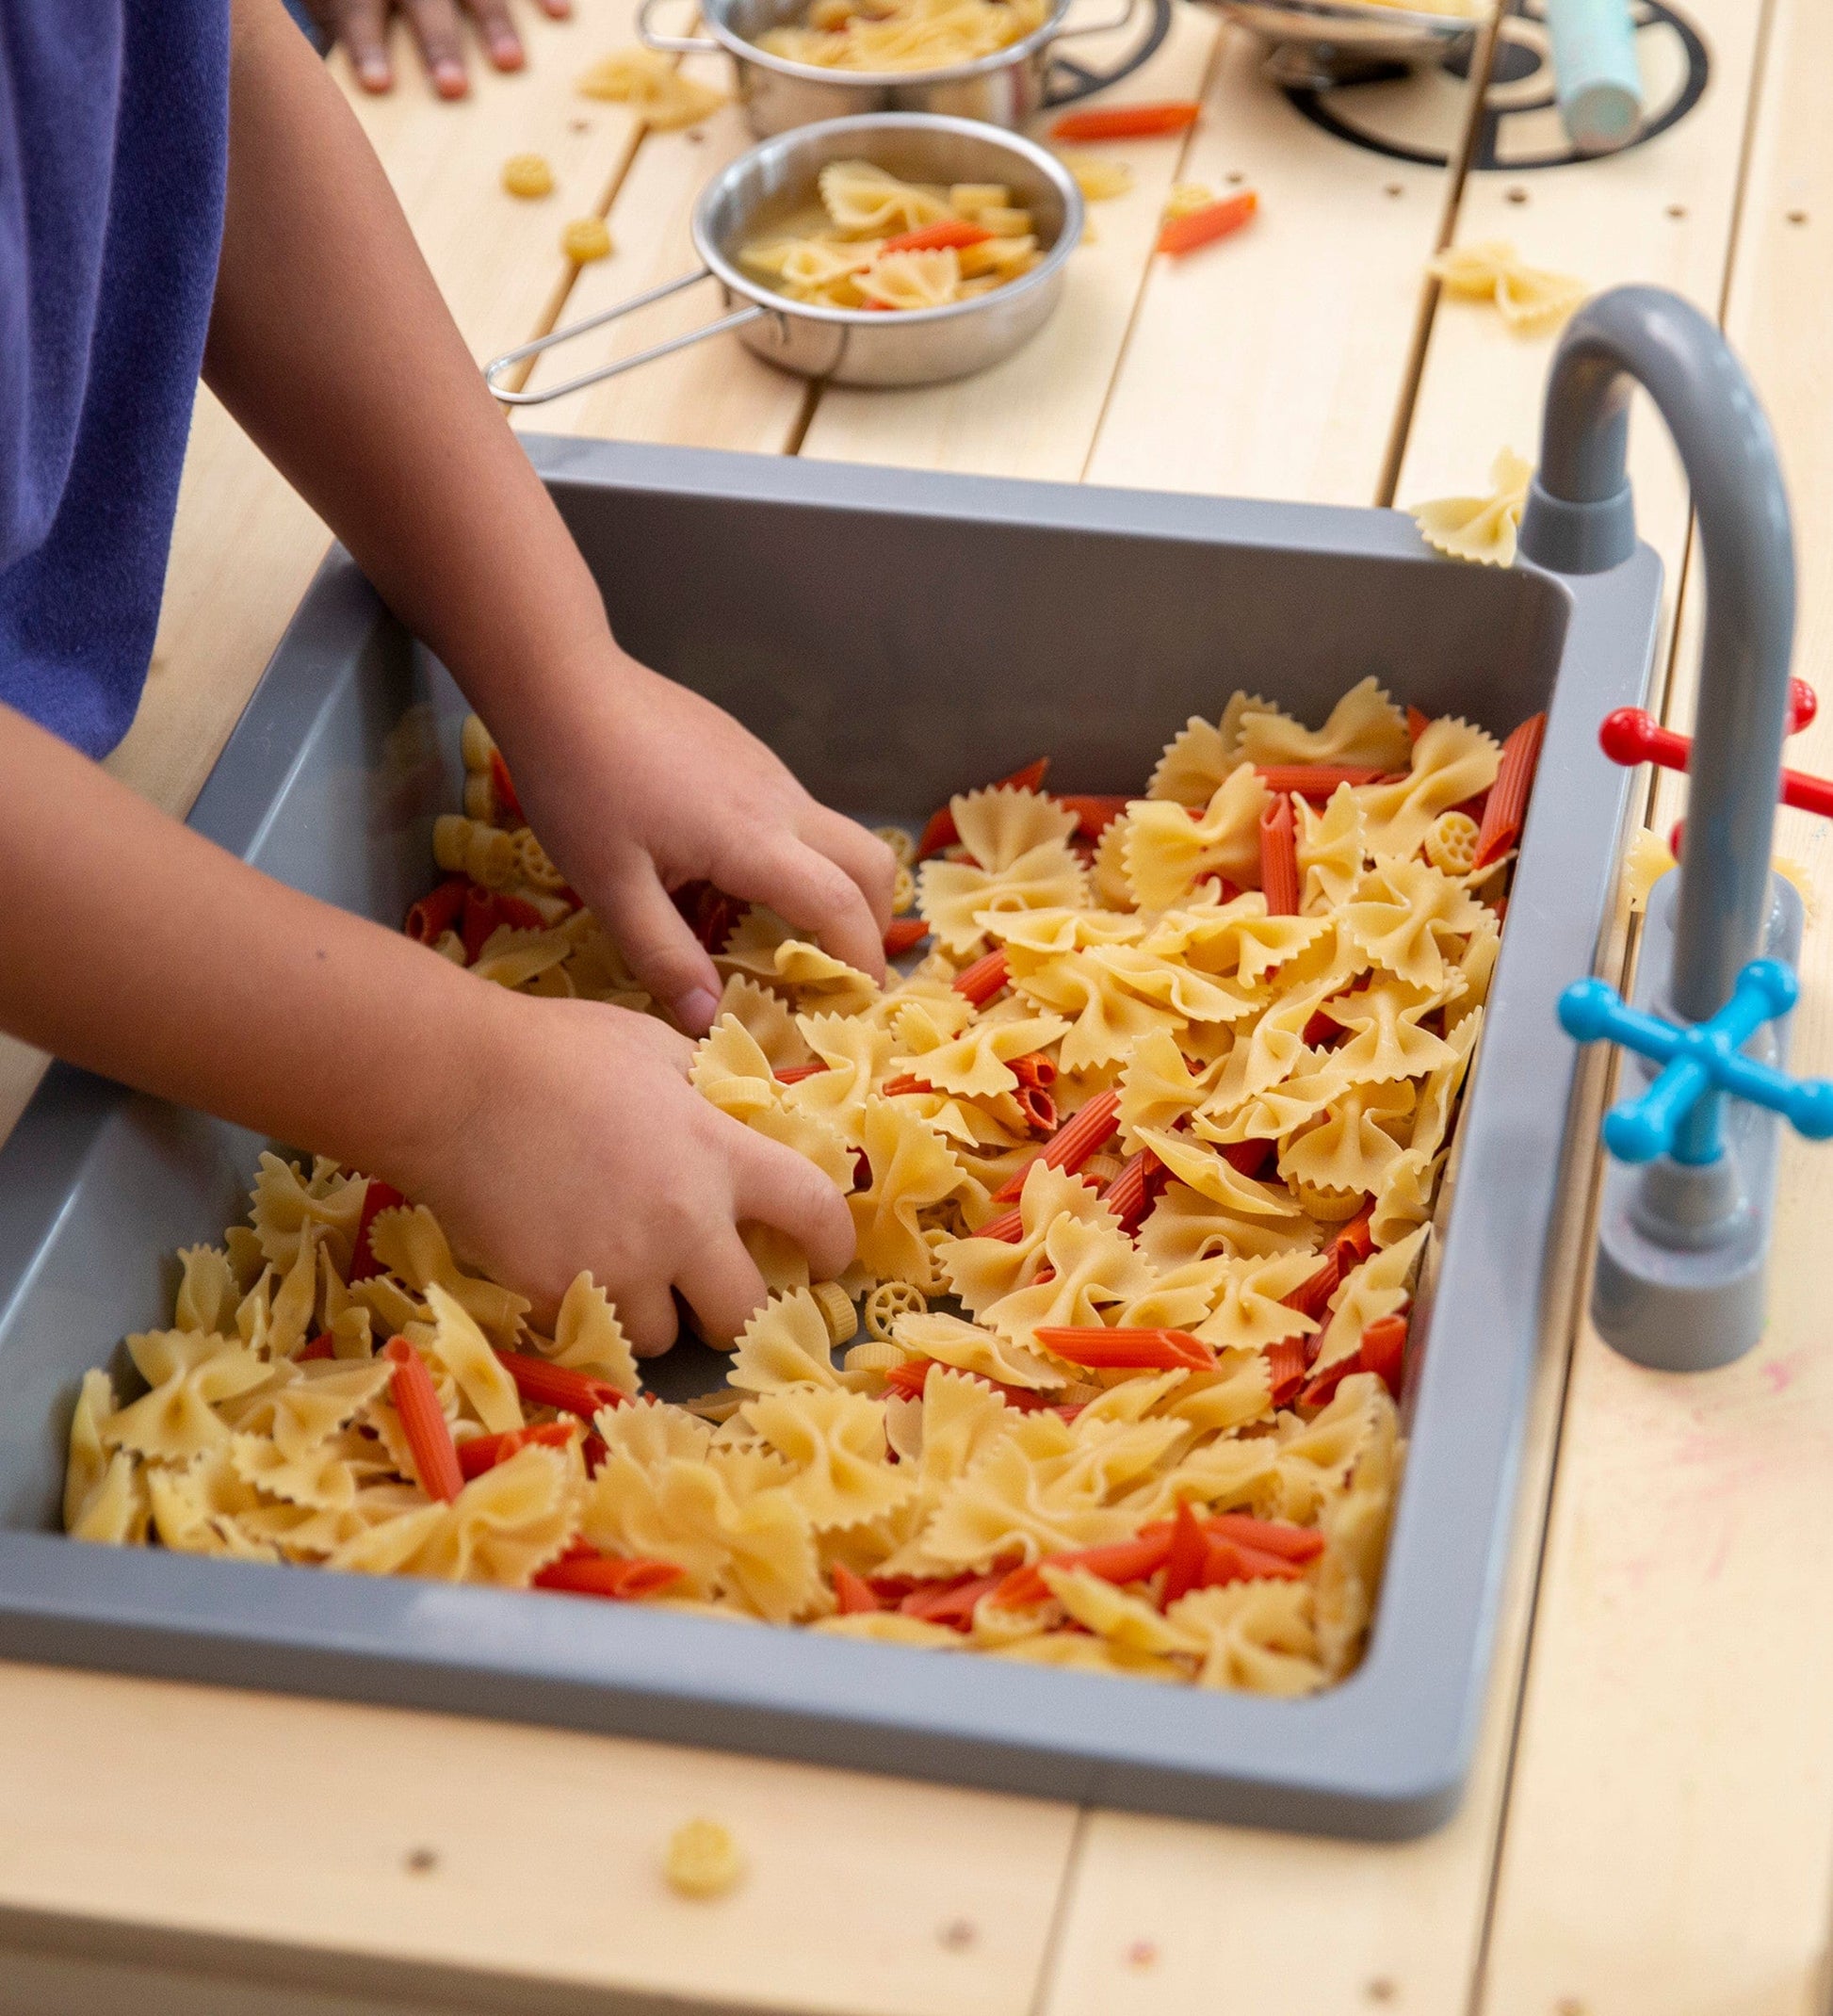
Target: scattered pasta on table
(654, 87)
(1141, 1159)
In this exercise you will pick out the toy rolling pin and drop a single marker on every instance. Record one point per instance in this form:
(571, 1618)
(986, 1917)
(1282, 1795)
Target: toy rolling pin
(1598, 79)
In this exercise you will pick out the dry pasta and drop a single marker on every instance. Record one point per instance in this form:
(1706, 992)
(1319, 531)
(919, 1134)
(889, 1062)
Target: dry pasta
(1141, 1173)
(873, 241)
(903, 35)
(652, 86)
(1481, 529)
(1531, 299)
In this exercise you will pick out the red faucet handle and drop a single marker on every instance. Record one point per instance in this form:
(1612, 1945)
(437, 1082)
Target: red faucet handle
(1803, 704)
(1631, 736)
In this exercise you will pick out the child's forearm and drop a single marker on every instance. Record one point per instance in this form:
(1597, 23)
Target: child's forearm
(332, 346)
(134, 947)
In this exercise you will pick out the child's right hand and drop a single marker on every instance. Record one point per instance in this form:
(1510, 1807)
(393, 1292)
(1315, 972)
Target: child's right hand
(578, 1143)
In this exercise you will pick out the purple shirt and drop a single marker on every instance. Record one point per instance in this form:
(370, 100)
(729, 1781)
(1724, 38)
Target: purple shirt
(113, 153)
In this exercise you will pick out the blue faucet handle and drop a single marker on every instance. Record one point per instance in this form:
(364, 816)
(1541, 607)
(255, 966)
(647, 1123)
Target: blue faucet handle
(1701, 1064)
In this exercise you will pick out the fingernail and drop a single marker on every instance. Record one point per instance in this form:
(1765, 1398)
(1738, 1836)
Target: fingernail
(448, 79)
(695, 1011)
(506, 52)
(372, 74)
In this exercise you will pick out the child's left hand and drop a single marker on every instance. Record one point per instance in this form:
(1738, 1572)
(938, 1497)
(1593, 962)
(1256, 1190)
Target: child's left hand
(644, 786)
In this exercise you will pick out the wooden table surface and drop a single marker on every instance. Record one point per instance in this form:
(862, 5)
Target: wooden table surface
(1649, 1826)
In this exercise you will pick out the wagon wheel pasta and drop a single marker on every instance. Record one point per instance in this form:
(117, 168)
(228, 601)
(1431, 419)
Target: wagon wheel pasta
(875, 242)
(903, 35)
(1141, 1159)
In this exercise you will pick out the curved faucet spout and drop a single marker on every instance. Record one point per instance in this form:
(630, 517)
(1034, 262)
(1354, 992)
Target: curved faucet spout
(1580, 520)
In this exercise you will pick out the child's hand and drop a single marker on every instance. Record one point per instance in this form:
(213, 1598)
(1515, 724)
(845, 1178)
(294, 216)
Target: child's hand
(583, 1145)
(657, 787)
(362, 25)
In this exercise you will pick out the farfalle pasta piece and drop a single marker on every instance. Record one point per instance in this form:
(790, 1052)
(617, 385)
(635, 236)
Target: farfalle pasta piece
(976, 1064)
(1199, 758)
(588, 1338)
(954, 897)
(105, 1494)
(834, 1442)
(1388, 1041)
(969, 1348)
(1365, 729)
(1407, 917)
(1532, 299)
(1122, 1620)
(1356, 1542)
(980, 1271)
(1354, 1145)
(1451, 763)
(1169, 853)
(1381, 1286)
(1092, 1267)
(787, 1343)
(660, 94)
(285, 1202)
(454, 1342)
(187, 1372)
(1251, 1312)
(1312, 1461)
(1331, 847)
(910, 280)
(766, 1018)
(208, 1292)
(1213, 1177)
(1158, 1089)
(409, 1242)
(197, 1508)
(1185, 1226)
(868, 200)
(910, 1171)
(1481, 529)
(822, 982)
(1260, 1635)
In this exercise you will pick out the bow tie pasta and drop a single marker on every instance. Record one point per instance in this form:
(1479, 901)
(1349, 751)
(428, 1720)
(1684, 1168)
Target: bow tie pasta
(875, 242)
(1159, 1119)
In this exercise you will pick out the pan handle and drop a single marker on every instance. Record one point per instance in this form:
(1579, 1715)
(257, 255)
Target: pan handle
(670, 44)
(1069, 80)
(623, 364)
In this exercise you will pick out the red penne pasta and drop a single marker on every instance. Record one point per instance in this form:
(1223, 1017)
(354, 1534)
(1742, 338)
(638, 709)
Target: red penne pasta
(902, 934)
(484, 1451)
(423, 1421)
(623, 1580)
(1279, 858)
(437, 912)
(1315, 781)
(952, 233)
(1219, 220)
(544, 1384)
(1072, 1146)
(1104, 1350)
(981, 981)
(378, 1198)
(1507, 808)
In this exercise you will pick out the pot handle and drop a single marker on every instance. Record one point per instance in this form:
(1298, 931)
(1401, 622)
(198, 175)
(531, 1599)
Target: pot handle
(670, 44)
(1069, 80)
(624, 364)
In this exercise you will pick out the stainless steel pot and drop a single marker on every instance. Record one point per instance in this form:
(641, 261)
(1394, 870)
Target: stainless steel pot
(849, 346)
(1004, 88)
(1316, 43)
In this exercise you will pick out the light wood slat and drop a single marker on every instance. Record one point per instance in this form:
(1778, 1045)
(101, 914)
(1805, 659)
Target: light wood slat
(1273, 363)
(1661, 213)
(1671, 1842)
(1036, 413)
(716, 394)
(247, 1815)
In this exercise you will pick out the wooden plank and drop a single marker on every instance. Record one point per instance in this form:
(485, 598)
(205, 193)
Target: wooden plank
(1661, 213)
(1036, 413)
(1670, 1847)
(1271, 364)
(488, 1848)
(714, 394)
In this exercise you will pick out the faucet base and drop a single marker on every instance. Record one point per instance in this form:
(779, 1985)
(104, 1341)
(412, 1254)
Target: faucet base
(1683, 1252)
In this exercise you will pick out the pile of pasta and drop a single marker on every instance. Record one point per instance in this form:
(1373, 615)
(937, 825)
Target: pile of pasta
(875, 242)
(903, 35)
(1141, 1157)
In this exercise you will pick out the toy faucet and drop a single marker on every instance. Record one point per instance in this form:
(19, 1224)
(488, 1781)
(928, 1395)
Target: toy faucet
(1689, 1194)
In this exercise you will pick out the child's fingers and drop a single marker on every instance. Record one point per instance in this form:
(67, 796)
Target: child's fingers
(497, 32)
(814, 894)
(362, 27)
(437, 29)
(862, 854)
(722, 1287)
(648, 1312)
(775, 1185)
(560, 9)
(663, 952)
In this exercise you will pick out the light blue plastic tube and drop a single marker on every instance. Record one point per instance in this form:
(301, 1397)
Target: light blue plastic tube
(1600, 82)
